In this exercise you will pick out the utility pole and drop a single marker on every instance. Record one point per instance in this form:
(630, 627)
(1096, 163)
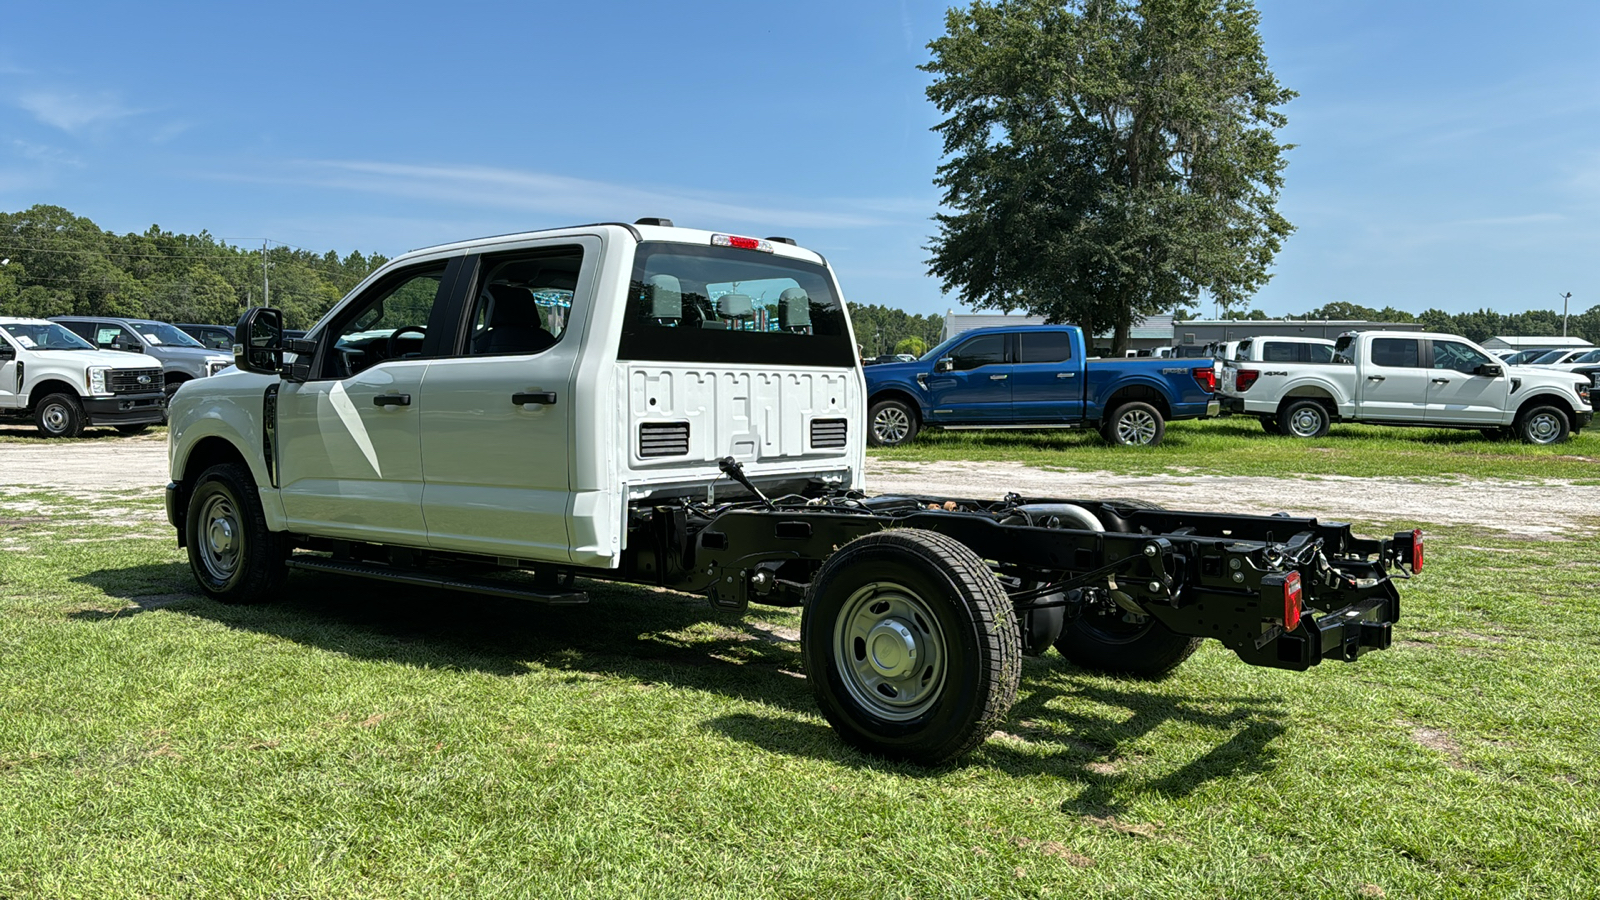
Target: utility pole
(1565, 299)
(264, 295)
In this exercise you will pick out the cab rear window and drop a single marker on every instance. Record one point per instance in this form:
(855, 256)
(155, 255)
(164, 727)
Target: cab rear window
(726, 305)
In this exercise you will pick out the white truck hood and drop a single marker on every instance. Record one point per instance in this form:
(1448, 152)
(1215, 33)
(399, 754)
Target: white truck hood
(116, 359)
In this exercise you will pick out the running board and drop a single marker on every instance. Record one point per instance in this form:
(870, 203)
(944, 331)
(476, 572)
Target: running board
(421, 579)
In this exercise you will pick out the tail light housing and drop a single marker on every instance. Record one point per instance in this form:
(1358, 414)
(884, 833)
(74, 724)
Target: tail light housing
(1293, 601)
(1244, 378)
(1408, 548)
(1207, 377)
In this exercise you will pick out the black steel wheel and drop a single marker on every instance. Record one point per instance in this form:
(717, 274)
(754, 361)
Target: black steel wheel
(1109, 639)
(1135, 424)
(891, 423)
(1305, 419)
(911, 646)
(1543, 425)
(59, 416)
(233, 555)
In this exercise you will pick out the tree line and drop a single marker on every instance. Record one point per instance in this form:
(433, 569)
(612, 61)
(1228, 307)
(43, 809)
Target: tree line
(1477, 326)
(64, 264)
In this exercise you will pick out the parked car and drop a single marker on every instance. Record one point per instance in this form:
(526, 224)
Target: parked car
(61, 382)
(1557, 357)
(437, 428)
(217, 337)
(1574, 360)
(1031, 377)
(182, 358)
(1524, 356)
(1409, 378)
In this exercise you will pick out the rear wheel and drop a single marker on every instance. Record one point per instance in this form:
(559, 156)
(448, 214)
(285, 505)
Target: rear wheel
(1105, 640)
(59, 416)
(891, 423)
(233, 555)
(1542, 425)
(1305, 419)
(1134, 424)
(911, 646)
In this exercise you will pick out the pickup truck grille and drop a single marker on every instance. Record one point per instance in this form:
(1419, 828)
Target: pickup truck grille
(126, 381)
(828, 434)
(663, 439)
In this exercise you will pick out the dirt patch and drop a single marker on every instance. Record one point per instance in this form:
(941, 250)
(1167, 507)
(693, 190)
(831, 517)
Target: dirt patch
(1057, 850)
(1439, 740)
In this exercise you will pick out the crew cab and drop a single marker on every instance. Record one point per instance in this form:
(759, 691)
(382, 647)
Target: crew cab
(1031, 377)
(63, 384)
(180, 356)
(1408, 378)
(679, 408)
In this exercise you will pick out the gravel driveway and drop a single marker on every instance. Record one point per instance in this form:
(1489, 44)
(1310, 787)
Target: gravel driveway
(1544, 508)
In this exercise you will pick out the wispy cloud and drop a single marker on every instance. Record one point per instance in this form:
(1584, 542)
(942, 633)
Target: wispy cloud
(73, 113)
(566, 197)
(44, 153)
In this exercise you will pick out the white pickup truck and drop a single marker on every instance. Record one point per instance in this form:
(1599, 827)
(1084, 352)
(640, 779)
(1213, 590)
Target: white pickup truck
(685, 409)
(1408, 378)
(63, 383)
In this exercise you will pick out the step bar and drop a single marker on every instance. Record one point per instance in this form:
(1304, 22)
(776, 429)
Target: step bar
(419, 578)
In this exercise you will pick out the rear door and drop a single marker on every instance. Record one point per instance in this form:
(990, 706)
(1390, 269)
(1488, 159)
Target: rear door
(1394, 381)
(1045, 382)
(497, 425)
(977, 388)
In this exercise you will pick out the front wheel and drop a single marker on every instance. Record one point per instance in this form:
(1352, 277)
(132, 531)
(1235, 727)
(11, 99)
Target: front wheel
(911, 646)
(1305, 419)
(1542, 425)
(1134, 424)
(59, 416)
(891, 423)
(1109, 640)
(233, 555)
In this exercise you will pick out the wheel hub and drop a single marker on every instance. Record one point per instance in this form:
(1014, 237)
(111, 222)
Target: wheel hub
(220, 535)
(55, 418)
(892, 649)
(891, 425)
(1137, 428)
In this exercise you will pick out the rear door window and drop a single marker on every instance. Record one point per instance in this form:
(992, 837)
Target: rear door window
(1395, 353)
(1278, 351)
(1044, 347)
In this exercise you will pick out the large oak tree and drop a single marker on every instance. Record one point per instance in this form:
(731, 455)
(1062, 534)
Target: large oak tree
(1106, 159)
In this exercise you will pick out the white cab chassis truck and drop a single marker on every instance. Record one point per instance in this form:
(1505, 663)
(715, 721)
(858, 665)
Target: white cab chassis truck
(63, 384)
(1408, 378)
(663, 406)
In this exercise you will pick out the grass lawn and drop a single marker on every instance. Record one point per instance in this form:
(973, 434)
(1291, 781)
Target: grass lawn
(13, 431)
(355, 740)
(1238, 446)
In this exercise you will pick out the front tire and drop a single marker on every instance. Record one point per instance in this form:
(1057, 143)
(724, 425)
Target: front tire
(891, 423)
(233, 555)
(1543, 425)
(1135, 424)
(1305, 419)
(1102, 640)
(911, 646)
(59, 416)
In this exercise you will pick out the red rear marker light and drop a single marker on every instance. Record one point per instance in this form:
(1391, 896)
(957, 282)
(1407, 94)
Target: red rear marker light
(1292, 601)
(1416, 549)
(741, 243)
(1207, 378)
(1244, 378)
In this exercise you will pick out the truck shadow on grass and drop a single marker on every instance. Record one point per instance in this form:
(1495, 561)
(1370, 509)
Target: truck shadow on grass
(1067, 722)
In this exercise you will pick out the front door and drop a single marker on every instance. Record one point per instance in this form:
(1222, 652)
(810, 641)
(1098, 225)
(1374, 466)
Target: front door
(1457, 394)
(977, 388)
(349, 438)
(496, 437)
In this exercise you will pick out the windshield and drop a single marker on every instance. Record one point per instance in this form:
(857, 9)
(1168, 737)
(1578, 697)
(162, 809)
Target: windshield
(1591, 356)
(1550, 357)
(162, 333)
(690, 303)
(45, 336)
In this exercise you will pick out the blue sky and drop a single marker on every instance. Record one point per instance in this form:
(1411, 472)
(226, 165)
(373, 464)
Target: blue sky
(1448, 153)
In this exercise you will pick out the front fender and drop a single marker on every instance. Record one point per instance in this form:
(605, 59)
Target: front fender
(232, 408)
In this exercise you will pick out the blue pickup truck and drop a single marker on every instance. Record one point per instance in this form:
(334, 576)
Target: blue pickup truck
(1034, 377)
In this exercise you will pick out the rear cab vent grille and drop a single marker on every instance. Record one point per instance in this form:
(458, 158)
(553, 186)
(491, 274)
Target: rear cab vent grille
(663, 439)
(828, 434)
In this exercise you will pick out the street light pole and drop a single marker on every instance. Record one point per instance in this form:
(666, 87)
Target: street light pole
(1564, 301)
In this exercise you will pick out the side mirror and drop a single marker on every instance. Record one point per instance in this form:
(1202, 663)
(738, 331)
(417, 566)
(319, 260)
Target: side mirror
(126, 344)
(6, 352)
(945, 365)
(259, 338)
(1492, 370)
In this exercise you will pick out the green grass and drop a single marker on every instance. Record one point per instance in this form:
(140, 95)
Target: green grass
(355, 740)
(1238, 446)
(13, 431)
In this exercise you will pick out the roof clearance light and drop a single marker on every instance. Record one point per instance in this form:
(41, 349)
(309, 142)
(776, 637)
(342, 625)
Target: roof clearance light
(1292, 601)
(741, 243)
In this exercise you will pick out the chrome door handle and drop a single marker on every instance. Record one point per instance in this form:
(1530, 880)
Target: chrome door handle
(998, 377)
(1066, 374)
(542, 398)
(1374, 377)
(1441, 381)
(392, 400)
